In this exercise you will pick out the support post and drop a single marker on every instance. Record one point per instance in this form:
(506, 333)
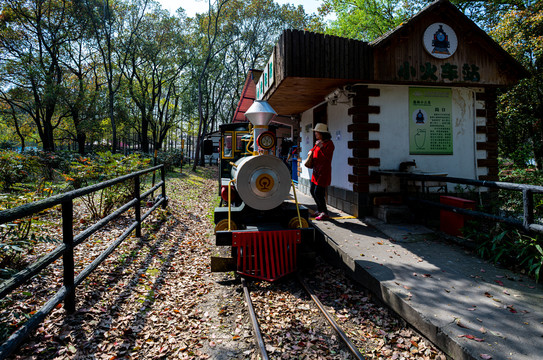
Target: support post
(137, 207)
(163, 178)
(528, 200)
(68, 257)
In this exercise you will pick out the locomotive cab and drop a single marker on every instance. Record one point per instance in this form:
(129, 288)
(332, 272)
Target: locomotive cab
(267, 231)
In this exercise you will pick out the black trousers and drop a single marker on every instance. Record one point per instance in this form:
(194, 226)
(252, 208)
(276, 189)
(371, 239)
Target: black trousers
(319, 195)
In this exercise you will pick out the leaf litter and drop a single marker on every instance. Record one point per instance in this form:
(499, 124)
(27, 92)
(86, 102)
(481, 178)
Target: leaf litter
(155, 298)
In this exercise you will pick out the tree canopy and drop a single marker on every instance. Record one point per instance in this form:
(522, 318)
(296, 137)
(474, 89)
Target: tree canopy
(108, 73)
(118, 73)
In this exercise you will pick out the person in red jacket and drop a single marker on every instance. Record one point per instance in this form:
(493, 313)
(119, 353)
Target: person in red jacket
(323, 152)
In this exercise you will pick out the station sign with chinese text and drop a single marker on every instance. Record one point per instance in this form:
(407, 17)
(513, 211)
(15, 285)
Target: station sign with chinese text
(447, 71)
(440, 41)
(266, 79)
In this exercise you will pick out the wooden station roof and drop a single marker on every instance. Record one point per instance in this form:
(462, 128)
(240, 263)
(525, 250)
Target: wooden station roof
(478, 60)
(248, 95)
(308, 66)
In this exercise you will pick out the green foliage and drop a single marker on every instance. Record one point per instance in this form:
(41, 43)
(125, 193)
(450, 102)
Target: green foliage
(488, 13)
(49, 163)
(520, 110)
(507, 246)
(367, 19)
(504, 244)
(170, 159)
(104, 166)
(12, 169)
(17, 240)
(93, 169)
(7, 145)
(519, 32)
(30, 168)
(16, 168)
(520, 123)
(511, 201)
(531, 255)
(13, 241)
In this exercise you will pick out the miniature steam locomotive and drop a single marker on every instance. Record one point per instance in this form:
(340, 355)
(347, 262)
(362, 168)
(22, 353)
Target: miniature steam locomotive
(268, 233)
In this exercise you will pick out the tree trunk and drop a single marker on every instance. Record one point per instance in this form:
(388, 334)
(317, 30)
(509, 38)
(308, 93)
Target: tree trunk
(112, 118)
(47, 140)
(202, 156)
(144, 134)
(81, 139)
(18, 130)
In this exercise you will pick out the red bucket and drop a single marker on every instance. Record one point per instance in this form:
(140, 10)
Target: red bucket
(452, 223)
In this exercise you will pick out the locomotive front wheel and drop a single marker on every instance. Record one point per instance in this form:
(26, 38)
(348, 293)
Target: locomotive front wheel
(223, 225)
(294, 223)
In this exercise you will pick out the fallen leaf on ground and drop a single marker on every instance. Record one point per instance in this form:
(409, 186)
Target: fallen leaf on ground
(457, 321)
(471, 337)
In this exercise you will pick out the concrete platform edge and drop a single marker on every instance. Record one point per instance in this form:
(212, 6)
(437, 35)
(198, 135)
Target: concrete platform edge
(417, 320)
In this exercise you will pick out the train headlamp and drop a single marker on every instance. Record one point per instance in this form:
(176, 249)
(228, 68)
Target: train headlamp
(266, 140)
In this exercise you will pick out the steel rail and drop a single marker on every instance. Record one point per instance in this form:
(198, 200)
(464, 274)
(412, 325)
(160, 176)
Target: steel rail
(332, 322)
(254, 321)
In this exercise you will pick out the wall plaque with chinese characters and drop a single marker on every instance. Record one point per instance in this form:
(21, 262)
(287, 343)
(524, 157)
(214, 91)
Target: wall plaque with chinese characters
(430, 121)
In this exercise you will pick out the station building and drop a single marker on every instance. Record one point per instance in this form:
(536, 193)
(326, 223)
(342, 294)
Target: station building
(420, 98)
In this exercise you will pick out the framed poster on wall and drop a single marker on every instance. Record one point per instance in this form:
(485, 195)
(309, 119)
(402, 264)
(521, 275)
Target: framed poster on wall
(430, 121)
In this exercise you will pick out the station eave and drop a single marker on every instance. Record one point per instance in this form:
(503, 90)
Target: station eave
(308, 66)
(295, 95)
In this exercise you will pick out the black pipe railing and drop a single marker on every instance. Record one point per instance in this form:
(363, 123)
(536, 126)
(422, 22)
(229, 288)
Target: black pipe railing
(67, 292)
(527, 223)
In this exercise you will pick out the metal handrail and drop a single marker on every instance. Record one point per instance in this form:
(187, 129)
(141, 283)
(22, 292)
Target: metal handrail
(527, 190)
(297, 205)
(465, 181)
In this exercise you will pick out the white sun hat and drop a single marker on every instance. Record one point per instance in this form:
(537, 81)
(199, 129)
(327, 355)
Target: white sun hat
(320, 127)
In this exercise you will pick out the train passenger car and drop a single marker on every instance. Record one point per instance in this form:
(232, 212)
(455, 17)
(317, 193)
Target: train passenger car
(267, 230)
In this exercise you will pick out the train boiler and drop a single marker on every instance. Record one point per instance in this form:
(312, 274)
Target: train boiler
(267, 230)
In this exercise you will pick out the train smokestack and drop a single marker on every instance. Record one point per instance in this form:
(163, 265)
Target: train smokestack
(260, 113)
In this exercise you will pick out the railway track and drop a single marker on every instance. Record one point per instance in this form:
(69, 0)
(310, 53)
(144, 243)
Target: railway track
(258, 334)
(291, 326)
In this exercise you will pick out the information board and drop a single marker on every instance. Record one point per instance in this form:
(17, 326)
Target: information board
(430, 122)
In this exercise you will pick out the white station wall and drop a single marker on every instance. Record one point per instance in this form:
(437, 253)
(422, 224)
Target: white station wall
(394, 134)
(338, 120)
(394, 137)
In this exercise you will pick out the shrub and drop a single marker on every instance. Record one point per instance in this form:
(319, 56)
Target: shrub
(170, 159)
(510, 247)
(511, 201)
(17, 240)
(13, 241)
(505, 244)
(7, 145)
(104, 166)
(13, 169)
